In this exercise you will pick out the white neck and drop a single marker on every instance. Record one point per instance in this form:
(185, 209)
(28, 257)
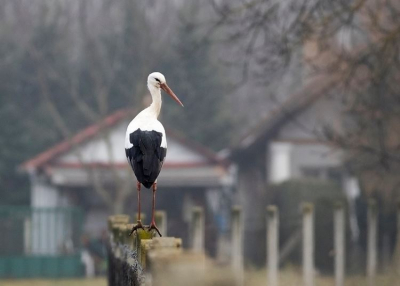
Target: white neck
(155, 106)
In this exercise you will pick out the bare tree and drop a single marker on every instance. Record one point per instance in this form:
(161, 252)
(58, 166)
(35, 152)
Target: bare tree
(354, 42)
(88, 58)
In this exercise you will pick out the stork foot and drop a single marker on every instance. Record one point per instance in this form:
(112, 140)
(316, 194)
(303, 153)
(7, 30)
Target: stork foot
(136, 227)
(153, 226)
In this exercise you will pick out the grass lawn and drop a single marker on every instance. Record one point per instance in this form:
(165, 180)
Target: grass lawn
(293, 278)
(253, 278)
(49, 282)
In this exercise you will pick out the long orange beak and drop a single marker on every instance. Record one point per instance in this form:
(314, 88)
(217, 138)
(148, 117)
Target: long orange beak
(166, 88)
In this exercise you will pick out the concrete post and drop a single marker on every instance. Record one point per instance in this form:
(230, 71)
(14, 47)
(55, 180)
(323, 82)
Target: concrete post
(272, 245)
(123, 237)
(116, 232)
(161, 221)
(308, 244)
(142, 252)
(142, 217)
(237, 245)
(130, 240)
(339, 244)
(116, 219)
(372, 240)
(397, 248)
(197, 229)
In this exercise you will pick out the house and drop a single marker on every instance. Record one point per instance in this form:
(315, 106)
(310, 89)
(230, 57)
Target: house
(287, 144)
(86, 170)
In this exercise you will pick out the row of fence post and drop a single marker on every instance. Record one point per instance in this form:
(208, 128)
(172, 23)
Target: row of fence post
(308, 243)
(120, 228)
(197, 235)
(127, 255)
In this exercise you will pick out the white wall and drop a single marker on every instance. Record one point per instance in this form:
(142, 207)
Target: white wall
(279, 162)
(97, 151)
(42, 193)
(305, 134)
(313, 156)
(46, 232)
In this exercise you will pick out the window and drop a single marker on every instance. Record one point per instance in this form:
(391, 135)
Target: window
(322, 173)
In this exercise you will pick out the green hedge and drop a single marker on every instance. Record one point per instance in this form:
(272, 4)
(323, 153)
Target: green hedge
(65, 266)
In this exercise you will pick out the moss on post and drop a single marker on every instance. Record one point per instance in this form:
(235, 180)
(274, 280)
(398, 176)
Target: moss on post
(338, 205)
(272, 245)
(115, 230)
(123, 238)
(143, 249)
(271, 210)
(236, 209)
(372, 241)
(307, 208)
(197, 229)
(373, 205)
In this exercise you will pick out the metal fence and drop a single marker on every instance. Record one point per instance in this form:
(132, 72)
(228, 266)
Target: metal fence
(40, 242)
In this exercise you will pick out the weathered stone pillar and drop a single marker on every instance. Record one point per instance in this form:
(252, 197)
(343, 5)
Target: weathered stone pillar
(161, 221)
(339, 243)
(272, 245)
(197, 229)
(372, 251)
(308, 244)
(142, 217)
(168, 265)
(397, 248)
(237, 245)
(115, 219)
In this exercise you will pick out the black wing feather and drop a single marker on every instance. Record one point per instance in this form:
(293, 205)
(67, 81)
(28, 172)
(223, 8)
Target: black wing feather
(146, 156)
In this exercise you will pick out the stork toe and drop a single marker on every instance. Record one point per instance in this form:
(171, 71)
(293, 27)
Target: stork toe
(136, 227)
(153, 226)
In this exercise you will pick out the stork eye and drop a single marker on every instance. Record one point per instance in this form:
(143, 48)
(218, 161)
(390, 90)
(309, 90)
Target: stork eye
(158, 80)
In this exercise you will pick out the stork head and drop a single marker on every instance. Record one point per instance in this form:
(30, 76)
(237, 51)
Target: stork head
(157, 80)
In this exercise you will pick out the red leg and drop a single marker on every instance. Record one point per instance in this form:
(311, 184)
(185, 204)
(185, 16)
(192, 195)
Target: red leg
(139, 222)
(153, 222)
(138, 186)
(154, 203)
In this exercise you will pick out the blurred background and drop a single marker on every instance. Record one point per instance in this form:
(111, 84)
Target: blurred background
(285, 102)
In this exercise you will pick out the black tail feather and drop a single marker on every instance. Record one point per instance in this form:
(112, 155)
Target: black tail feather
(146, 157)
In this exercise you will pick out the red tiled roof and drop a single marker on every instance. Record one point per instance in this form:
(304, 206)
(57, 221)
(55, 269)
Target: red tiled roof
(47, 156)
(194, 145)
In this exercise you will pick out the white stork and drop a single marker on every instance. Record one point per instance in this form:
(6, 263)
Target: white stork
(146, 143)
